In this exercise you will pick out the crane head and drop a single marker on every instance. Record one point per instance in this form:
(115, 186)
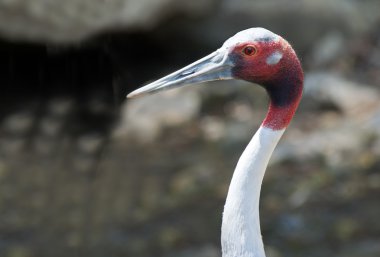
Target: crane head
(256, 55)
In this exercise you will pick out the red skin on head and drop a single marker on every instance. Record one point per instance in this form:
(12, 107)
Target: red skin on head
(283, 80)
(279, 118)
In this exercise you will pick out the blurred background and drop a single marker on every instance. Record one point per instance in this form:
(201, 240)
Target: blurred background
(84, 172)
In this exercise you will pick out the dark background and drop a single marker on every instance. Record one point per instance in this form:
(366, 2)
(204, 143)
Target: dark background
(84, 172)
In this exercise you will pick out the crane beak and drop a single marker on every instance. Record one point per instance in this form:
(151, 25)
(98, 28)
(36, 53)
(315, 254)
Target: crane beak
(215, 66)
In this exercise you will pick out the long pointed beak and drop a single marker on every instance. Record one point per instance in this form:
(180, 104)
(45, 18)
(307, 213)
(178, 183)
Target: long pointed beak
(215, 66)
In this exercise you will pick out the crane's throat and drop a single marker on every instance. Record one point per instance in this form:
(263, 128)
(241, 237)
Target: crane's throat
(285, 93)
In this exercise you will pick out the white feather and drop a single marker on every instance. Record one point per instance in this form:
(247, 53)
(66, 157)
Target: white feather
(250, 35)
(241, 234)
(274, 58)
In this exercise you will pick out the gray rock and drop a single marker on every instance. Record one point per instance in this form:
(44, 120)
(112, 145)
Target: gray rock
(60, 106)
(74, 20)
(204, 251)
(50, 126)
(334, 136)
(364, 248)
(349, 96)
(328, 49)
(90, 143)
(18, 123)
(143, 118)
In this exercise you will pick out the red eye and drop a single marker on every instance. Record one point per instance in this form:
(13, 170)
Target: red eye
(249, 50)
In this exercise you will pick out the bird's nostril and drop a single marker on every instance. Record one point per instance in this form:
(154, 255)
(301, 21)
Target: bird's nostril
(185, 73)
(218, 58)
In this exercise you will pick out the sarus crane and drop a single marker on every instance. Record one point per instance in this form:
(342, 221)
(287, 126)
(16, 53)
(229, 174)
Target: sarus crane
(262, 57)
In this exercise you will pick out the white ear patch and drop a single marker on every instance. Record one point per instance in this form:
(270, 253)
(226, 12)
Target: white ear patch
(274, 58)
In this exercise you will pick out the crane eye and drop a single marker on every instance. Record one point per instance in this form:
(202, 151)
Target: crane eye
(249, 50)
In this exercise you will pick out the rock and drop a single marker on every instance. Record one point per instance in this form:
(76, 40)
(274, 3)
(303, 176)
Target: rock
(90, 143)
(328, 49)
(335, 137)
(363, 248)
(213, 128)
(300, 195)
(143, 118)
(192, 181)
(18, 251)
(291, 226)
(12, 145)
(3, 170)
(50, 126)
(44, 144)
(334, 144)
(74, 20)
(351, 97)
(204, 251)
(374, 122)
(169, 237)
(348, 11)
(272, 251)
(18, 123)
(83, 163)
(316, 17)
(373, 181)
(60, 106)
(346, 228)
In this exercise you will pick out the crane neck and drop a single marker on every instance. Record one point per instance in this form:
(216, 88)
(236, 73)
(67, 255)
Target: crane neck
(285, 91)
(241, 234)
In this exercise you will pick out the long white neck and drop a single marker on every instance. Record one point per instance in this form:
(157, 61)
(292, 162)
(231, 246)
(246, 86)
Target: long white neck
(241, 234)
